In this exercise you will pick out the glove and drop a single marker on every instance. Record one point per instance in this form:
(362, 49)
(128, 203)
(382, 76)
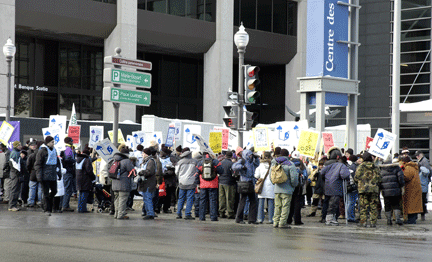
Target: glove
(403, 190)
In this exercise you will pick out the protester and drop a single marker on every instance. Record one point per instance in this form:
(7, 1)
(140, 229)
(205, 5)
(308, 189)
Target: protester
(48, 168)
(368, 181)
(246, 166)
(425, 177)
(283, 191)
(412, 199)
(297, 200)
(147, 184)
(35, 187)
(13, 182)
(267, 193)
(333, 172)
(392, 187)
(84, 179)
(318, 189)
(208, 188)
(185, 170)
(169, 178)
(122, 186)
(6, 173)
(25, 175)
(227, 188)
(68, 161)
(352, 190)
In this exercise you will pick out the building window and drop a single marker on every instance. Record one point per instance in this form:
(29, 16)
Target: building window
(107, 1)
(276, 16)
(197, 9)
(22, 97)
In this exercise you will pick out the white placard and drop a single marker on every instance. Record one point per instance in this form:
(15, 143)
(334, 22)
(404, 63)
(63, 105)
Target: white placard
(58, 136)
(139, 138)
(287, 134)
(96, 135)
(58, 121)
(189, 139)
(105, 149)
(178, 130)
(157, 136)
(233, 140)
(382, 143)
(130, 142)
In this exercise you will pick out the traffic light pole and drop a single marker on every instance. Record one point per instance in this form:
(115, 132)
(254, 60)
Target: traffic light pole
(241, 52)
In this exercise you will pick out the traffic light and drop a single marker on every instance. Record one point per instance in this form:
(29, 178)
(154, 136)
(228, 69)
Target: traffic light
(251, 82)
(250, 120)
(231, 120)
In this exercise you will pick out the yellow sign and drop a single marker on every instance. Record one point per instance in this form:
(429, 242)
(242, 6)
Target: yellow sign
(308, 143)
(261, 139)
(120, 137)
(215, 142)
(6, 131)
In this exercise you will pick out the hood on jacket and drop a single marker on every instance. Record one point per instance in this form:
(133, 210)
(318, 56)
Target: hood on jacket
(120, 156)
(283, 160)
(186, 154)
(246, 155)
(368, 165)
(412, 164)
(81, 157)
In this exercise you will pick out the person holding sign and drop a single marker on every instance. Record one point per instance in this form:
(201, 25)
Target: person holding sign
(68, 161)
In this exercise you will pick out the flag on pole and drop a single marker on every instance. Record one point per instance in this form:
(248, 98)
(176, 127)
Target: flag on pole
(73, 118)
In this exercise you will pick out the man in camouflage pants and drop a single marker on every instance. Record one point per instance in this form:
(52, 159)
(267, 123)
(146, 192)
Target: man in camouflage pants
(368, 179)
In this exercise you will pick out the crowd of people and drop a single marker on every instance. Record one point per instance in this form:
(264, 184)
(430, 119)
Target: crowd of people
(250, 187)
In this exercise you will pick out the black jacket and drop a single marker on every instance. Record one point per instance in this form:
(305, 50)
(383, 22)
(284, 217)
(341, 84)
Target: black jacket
(392, 180)
(148, 176)
(85, 175)
(30, 165)
(226, 178)
(46, 172)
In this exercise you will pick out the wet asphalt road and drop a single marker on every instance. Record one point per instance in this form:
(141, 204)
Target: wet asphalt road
(33, 236)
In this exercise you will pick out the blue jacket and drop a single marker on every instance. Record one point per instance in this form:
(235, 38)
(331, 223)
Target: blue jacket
(333, 174)
(226, 177)
(250, 164)
(293, 177)
(424, 178)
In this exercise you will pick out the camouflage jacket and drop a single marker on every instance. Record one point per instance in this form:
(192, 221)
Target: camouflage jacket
(368, 178)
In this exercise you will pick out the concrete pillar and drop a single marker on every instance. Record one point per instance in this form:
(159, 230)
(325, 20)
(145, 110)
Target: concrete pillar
(124, 36)
(320, 112)
(7, 29)
(351, 116)
(304, 107)
(218, 64)
(297, 66)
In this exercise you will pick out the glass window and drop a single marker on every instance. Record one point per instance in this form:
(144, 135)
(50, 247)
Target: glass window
(22, 103)
(156, 6)
(248, 13)
(237, 12)
(177, 7)
(292, 18)
(415, 3)
(264, 17)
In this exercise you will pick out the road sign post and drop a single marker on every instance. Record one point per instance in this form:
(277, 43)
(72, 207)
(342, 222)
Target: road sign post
(123, 77)
(117, 95)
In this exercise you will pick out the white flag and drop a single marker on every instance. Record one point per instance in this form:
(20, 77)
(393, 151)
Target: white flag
(73, 118)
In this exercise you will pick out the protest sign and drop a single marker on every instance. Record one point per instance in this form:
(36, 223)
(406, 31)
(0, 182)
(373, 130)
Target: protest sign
(225, 136)
(96, 135)
(308, 143)
(261, 139)
(120, 137)
(215, 141)
(328, 142)
(382, 143)
(189, 139)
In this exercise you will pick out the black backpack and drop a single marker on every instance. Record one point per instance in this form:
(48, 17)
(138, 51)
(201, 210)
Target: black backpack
(208, 170)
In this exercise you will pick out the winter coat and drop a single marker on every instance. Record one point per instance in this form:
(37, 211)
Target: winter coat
(24, 172)
(392, 180)
(425, 162)
(424, 178)
(168, 170)
(46, 172)
(123, 184)
(30, 165)
(333, 173)
(226, 177)
(85, 175)
(301, 169)
(367, 178)
(148, 180)
(246, 170)
(412, 199)
(15, 164)
(185, 170)
(208, 183)
(5, 165)
(319, 183)
(68, 159)
(288, 186)
(268, 187)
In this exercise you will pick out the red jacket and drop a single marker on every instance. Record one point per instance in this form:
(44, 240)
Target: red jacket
(205, 183)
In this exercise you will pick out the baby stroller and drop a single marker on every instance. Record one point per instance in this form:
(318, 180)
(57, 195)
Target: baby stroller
(103, 198)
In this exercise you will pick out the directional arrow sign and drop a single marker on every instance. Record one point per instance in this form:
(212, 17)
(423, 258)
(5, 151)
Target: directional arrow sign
(138, 64)
(116, 76)
(117, 95)
(233, 96)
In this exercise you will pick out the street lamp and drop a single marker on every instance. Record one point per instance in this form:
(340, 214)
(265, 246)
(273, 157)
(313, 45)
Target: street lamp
(241, 40)
(9, 50)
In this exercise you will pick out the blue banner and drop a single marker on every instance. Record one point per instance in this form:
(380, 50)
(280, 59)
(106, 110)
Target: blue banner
(16, 133)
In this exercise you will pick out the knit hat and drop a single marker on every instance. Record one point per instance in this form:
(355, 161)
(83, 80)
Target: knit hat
(405, 150)
(277, 150)
(86, 151)
(68, 140)
(179, 149)
(350, 151)
(24, 152)
(16, 144)
(266, 155)
(147, 151)
(48, 139)
(185, 149)
(229, 154)
(238, 150)
(140, 147)
(123, 151)
(334, 152)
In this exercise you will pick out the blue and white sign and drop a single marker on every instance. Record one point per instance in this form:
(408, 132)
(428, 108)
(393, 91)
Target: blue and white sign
(96, 135)
(170, 137)
(287, 134)
(58, 121)
(203, 145)
(105, 149)
(327, 23)
(157, 137)
(382, 144)
(58, 136)
(178, 130)
(189, 140)
(139, 138)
